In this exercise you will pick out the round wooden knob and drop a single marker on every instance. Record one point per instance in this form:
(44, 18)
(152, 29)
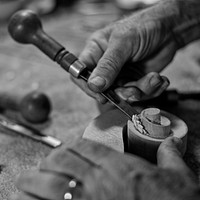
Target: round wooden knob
(156, 124)
(25, 27)
(35, 107)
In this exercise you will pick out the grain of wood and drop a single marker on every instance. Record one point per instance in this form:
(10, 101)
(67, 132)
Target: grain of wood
(155, 123)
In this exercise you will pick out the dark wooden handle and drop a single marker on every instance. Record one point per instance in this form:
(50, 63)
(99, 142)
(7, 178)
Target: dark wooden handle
(34, 107)
(25, 27)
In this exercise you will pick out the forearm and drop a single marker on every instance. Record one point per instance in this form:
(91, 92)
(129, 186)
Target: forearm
(179, 19)
(187, 28)
(182, 19)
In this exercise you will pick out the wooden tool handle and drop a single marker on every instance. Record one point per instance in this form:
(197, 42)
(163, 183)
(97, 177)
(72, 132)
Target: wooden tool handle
(34, 107)
(25, 27)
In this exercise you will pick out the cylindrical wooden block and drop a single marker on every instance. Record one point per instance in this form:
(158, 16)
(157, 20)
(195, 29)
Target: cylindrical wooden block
(146, 146)
(152, 114)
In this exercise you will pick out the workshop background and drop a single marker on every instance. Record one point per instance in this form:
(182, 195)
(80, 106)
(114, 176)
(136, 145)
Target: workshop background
(23, 68)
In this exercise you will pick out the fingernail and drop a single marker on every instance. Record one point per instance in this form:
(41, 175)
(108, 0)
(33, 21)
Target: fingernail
(166, 83)
(119, 92)
(155, 81)
(132, 99)
(97, 83)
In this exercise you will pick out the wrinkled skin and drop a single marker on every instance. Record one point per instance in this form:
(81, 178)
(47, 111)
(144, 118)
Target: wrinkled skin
(103, 173)
(126, 51)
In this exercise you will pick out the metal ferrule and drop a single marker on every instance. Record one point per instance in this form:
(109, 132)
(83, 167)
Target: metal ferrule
(76, 68)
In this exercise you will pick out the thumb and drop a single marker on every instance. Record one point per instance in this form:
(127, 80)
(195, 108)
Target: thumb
(107, 69)
(170, 154)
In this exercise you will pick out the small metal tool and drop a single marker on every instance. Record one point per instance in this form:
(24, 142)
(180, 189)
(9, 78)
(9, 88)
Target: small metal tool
(25, 27)
(29, 132)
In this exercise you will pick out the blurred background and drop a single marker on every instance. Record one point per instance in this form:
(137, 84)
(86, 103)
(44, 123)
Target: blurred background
(7, 7)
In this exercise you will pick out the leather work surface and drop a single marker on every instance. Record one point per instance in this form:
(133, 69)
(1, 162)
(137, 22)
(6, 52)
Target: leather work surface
(24, 68)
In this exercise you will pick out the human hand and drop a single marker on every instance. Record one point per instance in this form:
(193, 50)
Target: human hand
(140, 43)
(88, 170)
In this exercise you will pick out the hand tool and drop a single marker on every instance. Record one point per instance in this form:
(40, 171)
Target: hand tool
(25, 27)
(34, 106)
(29, 132)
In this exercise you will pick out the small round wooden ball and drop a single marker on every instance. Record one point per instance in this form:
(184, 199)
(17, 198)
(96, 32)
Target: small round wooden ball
(35, 107)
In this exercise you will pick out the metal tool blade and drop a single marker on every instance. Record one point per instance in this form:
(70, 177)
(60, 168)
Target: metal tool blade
(120, 104)
(29, 132)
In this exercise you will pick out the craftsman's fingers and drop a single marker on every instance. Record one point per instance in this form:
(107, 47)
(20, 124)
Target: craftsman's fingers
(152, 83)
(160, 89)
(149, 86)
(129, 94)
(45, 185)
(83, 158)
(68, 163)
(161, 59)
(169, 156)
(109, 65)
(104, 158)
(94, 49)
(83, 85)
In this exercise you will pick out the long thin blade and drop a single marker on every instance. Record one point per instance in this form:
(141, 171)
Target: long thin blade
(123, 106)
(29, 132)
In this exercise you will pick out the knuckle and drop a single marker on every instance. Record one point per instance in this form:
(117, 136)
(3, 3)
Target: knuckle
(110, 66)
(93, 36)
(96, 35)
(154, 75)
